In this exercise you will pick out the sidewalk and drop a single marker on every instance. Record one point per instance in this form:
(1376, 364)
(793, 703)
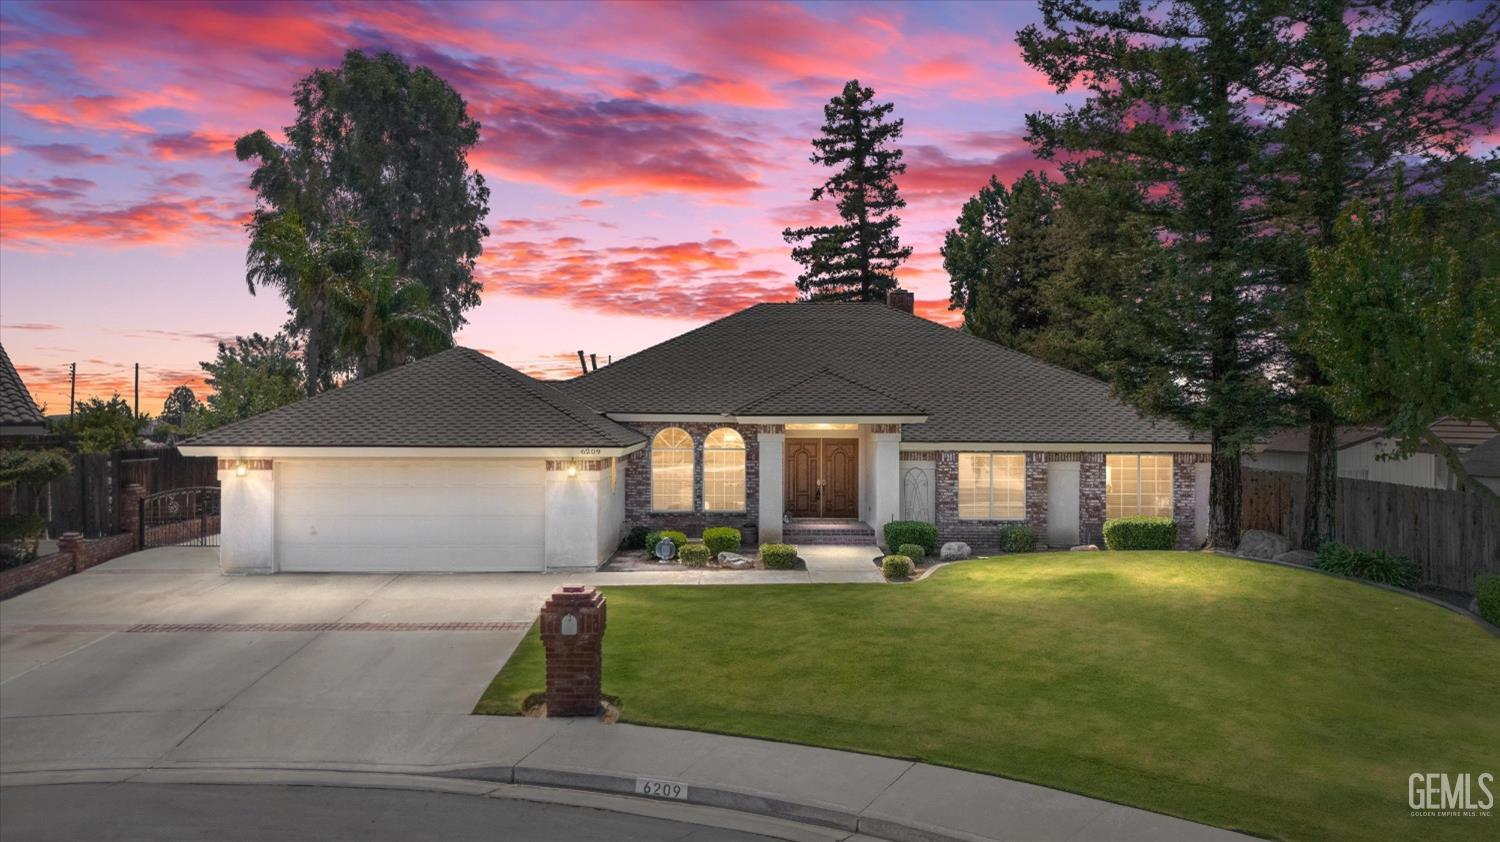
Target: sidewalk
(880, 797)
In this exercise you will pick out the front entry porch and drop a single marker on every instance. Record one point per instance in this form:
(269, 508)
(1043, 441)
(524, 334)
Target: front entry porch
(828, 532)
(831, 481)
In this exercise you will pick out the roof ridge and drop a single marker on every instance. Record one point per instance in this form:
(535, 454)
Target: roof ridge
(876, 389)
(829, 370)
(628, 358)
(546, 393)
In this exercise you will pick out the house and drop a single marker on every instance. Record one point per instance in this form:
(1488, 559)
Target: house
(1362, 451)
(19, 417)
(803, 422)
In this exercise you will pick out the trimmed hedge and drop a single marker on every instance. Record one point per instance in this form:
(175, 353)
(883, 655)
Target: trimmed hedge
(722, 539)
(913, 552)
(696, 555)
(1487, 592)
(635, 539)
(918, 532)
(896, 567)
(1017, 538)
(778, 556)
(1140, 533)
(1370, 565)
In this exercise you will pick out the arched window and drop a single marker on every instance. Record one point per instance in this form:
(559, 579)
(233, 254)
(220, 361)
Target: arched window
(724, 471)
(672, 471)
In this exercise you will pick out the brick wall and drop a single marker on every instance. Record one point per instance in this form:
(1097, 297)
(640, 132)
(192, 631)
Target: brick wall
(74, 555)
(1184, 506)
(1092, 503)
(637, 467)
(983, 536)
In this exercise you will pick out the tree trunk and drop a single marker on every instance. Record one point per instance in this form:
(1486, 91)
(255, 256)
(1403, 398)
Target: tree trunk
(372, 342)
(1223, 494)
(1318, 513)
(313, 353)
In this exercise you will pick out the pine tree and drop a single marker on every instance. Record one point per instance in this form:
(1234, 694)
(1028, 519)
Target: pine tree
(1167, 131)
(999, 256)
(856, 259)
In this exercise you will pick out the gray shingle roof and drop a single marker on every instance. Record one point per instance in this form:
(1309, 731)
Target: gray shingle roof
(456, 398)
(971, 389)
(827, 392)
(17, 409)
(1484, 460)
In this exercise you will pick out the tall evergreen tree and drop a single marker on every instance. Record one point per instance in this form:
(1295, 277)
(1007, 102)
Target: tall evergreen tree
(1166, 123)
(1360, 86)
(383, 146)
(999, 256)
(856, 259)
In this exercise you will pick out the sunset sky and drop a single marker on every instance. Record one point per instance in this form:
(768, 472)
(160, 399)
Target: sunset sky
(643, 159)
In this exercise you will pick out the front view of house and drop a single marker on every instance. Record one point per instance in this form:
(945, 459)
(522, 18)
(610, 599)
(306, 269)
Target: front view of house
(807, 422)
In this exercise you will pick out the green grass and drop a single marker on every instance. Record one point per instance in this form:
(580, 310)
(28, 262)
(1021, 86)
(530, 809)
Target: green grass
(1244, 695)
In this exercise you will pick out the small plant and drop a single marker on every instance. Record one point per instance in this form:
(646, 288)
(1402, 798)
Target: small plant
(913, 552)
(696, 555)
(722, 539)
(1370, 565)
(896, 567)
(778, 556)
(1017, 538)
(1140, 533)
(636, 538)
(19, 535)
(1487, 594)
(918, 532)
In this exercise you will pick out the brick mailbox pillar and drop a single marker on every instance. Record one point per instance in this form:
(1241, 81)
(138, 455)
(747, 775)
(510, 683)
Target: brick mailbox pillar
(72, 544)
(573, 638)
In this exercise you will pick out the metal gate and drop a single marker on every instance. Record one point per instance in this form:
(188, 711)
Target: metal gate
(182, 517)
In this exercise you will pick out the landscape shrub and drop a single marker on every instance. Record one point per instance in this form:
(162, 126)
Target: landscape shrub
(722, 539)
(678, 539)
(1017, 538)
(695, 555)
(918, 532)
(635, 539)
(1140, 533)
(19, 535)
(896, 567)
(913, 552)
(1370, 565)
(778, 556)
(1487, 592)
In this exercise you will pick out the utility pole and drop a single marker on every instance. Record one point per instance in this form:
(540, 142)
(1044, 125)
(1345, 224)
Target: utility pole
(72, 387)
(137, 390)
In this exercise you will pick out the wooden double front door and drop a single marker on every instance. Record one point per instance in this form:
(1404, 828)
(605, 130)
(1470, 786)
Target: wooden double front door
(822, 477)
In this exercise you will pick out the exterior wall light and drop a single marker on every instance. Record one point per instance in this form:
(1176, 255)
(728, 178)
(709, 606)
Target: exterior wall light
(572, 469)
(240, 469)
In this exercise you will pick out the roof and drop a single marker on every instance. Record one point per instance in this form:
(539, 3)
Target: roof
(455, 398)
(1484, 460)
(18, 412)
(827, 392)
(1455, 433)
(972, 390)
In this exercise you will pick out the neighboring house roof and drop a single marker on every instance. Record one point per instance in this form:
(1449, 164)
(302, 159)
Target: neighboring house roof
(827, 392)
(1484, 460)
(455, 398)
(19, 414)
(972, 390)
(1455, 433)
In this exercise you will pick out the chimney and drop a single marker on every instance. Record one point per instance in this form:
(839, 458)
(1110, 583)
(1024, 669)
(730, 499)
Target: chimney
(901, 299)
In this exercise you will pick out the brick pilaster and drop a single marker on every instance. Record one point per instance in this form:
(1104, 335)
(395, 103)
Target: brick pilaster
(572, 631)
(1091, 498)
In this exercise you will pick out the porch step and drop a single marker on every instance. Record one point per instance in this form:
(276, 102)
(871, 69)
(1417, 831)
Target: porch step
(828, 532)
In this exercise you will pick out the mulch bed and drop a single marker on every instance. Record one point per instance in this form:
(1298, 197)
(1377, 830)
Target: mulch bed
(630, 561)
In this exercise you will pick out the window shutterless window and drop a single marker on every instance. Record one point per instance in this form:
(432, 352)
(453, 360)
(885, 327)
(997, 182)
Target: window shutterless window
(992, 486)
(1138, 484)
(672, 471)
(724, 471)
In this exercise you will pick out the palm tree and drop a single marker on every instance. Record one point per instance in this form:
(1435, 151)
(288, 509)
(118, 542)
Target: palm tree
(385, 320)
(283, 256)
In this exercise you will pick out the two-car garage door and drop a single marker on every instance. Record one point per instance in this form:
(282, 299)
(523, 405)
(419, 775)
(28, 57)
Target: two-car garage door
(387, 515)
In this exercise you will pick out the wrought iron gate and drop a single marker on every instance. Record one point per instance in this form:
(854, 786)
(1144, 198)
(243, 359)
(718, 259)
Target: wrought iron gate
(182, 517)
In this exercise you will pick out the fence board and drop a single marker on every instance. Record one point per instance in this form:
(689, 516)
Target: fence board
(1453, 535)
(85, 499)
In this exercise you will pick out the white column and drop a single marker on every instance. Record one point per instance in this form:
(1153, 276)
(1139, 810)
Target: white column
(885, 471)
(247, 520)
(772, 489)
(571, 535)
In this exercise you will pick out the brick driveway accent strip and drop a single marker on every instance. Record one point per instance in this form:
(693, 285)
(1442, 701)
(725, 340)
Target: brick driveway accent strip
(149, 628)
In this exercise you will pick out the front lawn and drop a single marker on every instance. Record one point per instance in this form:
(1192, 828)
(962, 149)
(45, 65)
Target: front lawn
(1243, 695)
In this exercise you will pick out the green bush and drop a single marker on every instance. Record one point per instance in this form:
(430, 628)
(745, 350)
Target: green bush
(896, 567)
(1017, 538)
(913, 552)
(695, 555)
(924, 534)
(653, 538)
(1487, 591)
(1140, 533)
(22, 527)
(778, 556)
(635, 539)
(1370, 565)
(722, 539)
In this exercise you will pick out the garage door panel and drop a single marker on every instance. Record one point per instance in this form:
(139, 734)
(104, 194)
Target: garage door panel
(382, 515)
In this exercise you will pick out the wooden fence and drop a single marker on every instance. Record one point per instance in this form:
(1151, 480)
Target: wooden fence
(1453, 535)
(86, 499)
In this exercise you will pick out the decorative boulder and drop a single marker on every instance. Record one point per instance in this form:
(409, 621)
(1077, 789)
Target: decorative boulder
(1256, 543)
(954, 551)
(1085, 548)
(1303, 558)
(734, 561)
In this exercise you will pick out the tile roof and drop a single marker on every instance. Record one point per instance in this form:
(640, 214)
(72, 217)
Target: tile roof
(972, 390)
(17, 409)
(827, 392)
(456, 398)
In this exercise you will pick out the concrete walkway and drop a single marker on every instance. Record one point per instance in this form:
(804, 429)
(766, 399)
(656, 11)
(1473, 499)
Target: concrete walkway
(155, 663)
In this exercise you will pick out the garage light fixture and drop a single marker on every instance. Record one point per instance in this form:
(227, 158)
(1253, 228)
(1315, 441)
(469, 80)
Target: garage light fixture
(240, 469)
(572, 469)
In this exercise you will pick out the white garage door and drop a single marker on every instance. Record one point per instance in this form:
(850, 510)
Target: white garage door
(422, 515)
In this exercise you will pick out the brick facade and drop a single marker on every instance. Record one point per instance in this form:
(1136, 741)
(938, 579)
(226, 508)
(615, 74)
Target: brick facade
(1184, 503)
(572, 632)
(983, 536)
(637, 467)
(1092, 502)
